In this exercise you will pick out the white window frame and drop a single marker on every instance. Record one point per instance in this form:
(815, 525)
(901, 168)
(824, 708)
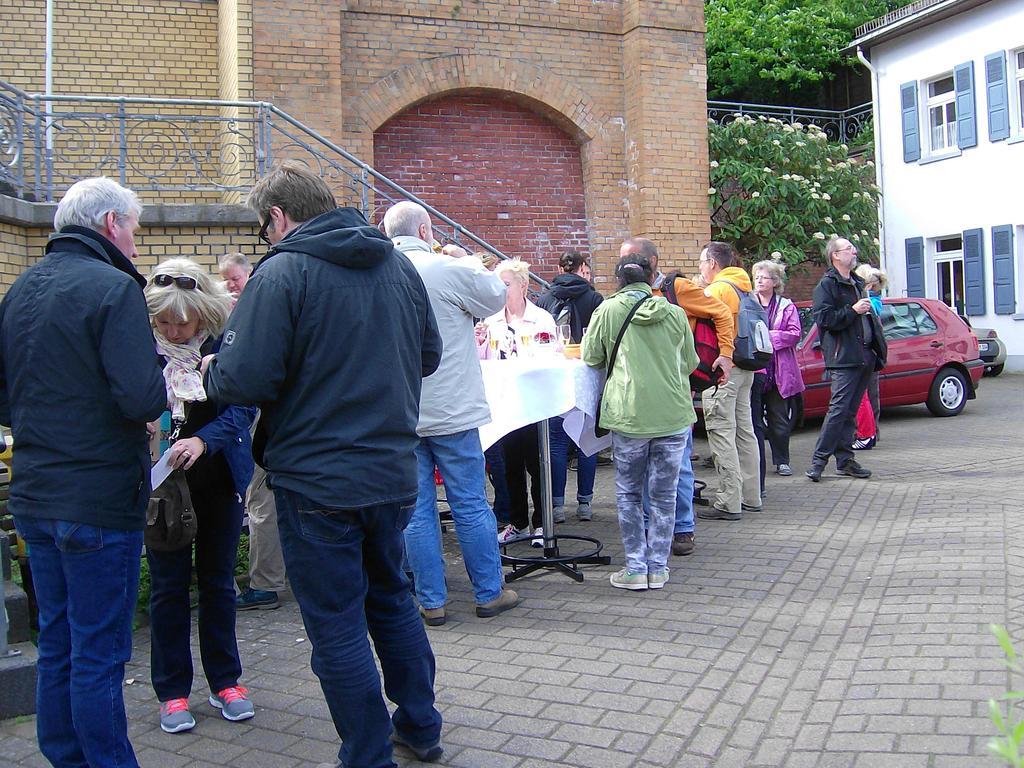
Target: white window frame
(1016, 78)
(942, 101)
(948, 258)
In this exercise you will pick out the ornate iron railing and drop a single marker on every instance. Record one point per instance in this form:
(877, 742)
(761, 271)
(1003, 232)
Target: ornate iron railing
(838, 125)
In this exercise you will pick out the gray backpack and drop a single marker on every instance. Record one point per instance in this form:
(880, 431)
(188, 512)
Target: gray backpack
(753, 342)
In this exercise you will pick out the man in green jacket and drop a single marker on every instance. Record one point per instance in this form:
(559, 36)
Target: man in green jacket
(648, 408)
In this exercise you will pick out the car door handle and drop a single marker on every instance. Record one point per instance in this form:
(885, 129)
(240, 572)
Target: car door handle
(935, 344)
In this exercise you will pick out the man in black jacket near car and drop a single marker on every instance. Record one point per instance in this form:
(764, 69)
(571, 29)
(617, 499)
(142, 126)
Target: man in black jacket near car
(853, 346)
(79, 379)
(331, 338)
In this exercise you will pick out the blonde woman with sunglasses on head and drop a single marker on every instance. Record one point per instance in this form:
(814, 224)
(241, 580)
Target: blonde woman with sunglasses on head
(188, 310)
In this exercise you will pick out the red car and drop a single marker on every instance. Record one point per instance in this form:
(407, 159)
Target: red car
(933, 358)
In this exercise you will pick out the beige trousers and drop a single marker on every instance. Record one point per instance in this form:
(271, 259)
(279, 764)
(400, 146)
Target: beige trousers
(733, 444)
(266, 563)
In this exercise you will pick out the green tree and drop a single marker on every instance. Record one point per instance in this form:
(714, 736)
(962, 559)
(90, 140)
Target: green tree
(780, 51)
(780, 190)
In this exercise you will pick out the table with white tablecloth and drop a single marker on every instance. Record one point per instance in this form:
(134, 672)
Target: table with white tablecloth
(527, 390)
(522, 391)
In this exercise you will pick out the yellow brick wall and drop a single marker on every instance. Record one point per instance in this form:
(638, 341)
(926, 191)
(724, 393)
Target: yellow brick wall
(21, 247)
(14, 253)
(121, 48)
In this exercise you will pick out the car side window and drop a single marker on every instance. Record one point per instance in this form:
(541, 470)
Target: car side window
(925, 324)
(806, 323)
(901, 321)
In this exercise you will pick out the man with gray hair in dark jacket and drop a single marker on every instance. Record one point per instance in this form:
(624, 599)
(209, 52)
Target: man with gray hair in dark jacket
(331, 338)
(79, 379)
(853, 346)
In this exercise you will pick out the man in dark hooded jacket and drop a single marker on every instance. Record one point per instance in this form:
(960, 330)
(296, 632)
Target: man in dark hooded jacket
(572, 291)
(79, 379)
(331, 339)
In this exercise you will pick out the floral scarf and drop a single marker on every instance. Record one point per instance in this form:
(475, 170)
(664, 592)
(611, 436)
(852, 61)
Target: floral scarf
(181, 374)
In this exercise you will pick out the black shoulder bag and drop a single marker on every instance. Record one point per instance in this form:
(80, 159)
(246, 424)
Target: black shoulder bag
(598, 429)
(171, 522)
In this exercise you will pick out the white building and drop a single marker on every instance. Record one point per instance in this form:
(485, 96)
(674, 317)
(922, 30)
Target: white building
(948, 82)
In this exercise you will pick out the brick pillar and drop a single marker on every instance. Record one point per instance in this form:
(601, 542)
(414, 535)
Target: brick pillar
(297, 50)
(666, 126)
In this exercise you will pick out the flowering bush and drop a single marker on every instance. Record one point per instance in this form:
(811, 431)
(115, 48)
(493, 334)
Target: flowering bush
(784, 188)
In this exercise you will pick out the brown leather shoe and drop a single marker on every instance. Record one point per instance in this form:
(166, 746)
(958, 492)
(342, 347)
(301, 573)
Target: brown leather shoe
(503, 602)
(682, 544)
(432, 617)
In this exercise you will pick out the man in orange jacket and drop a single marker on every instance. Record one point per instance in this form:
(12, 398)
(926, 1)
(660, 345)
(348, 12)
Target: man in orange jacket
(727, 408)
(693, 300)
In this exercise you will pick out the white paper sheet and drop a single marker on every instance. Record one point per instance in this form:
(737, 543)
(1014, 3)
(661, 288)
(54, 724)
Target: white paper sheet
(161, 470)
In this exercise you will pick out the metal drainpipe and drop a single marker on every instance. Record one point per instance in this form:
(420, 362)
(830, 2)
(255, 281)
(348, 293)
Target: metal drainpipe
(876, 132)
(49, 76)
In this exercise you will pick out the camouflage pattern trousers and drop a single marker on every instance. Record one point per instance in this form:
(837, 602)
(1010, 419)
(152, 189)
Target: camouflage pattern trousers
(653, 462)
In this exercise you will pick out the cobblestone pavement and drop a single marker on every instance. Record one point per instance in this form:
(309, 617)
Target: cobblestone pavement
(845, 625)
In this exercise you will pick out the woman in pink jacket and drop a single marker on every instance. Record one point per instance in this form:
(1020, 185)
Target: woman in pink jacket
(782, 376)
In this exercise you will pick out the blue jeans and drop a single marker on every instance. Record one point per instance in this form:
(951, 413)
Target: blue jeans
(586, 466)
(684, 522)
(86, 581)
(219, 515)
(651, 463)
(345, 571)
(461, 462)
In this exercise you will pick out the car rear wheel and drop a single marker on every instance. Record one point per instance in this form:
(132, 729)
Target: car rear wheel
(994, 370)
(948, 394)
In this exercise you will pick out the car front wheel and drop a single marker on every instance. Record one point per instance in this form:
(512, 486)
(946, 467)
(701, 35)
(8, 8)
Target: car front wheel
(948, 394)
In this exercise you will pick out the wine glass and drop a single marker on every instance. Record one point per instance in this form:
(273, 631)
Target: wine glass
(524, 344)
(565, 334)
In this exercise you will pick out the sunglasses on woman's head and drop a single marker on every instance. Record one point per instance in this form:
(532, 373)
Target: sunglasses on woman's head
(182, 281)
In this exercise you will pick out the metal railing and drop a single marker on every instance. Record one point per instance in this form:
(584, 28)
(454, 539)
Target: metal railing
(893, 16)
(838, 125)
(189, 150)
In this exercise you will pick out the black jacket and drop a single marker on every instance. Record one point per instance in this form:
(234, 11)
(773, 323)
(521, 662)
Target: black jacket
(574, 290)
(79, 378)
(840, 329)
(331, 338)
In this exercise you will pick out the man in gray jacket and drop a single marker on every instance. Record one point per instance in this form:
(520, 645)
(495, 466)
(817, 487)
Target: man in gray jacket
(452, 408)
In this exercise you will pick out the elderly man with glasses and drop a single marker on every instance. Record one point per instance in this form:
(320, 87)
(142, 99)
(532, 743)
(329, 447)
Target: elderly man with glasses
(853, 346)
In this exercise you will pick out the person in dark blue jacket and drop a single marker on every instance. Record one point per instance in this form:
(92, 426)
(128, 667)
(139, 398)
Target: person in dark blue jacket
(189, 310)
(78, 383)
(331, 338)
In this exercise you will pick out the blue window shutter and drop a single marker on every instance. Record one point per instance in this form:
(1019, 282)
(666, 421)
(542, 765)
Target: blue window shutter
(915, 266)
(966, 122)
(998, 97)
(1002, 269)
(911, 123)
(974, 272)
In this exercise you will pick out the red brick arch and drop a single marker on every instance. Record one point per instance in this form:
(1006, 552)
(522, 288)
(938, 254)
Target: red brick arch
(509, 174)
(565, 103)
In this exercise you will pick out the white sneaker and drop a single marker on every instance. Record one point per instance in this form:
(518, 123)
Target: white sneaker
(538, 538)
(510, 533)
